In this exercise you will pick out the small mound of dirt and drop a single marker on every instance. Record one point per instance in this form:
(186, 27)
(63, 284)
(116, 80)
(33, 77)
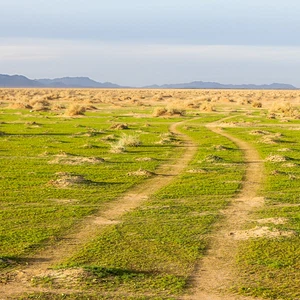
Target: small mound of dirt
(260, 232)
(141, 172)
(119, 126)
(67, 179)
(276, 158)
(289, 165)
(75, 160)
(259, 132)
(276, 221)
(200, 171)
(283, 150)
(220, 148)
(268, 140)
(144, 159)
(212, 158)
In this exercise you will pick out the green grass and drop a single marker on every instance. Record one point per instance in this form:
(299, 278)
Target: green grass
(33, 212)
(269, 268)
(155, 248)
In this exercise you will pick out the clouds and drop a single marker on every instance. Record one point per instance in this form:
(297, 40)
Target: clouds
(216, 22)
(142, 63)
(137, 42)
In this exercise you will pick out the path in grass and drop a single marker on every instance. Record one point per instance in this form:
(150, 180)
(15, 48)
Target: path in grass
(19, 281)
(215, 273)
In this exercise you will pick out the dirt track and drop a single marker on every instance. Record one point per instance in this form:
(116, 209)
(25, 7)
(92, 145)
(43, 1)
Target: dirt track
(215, 273)
(19, 281)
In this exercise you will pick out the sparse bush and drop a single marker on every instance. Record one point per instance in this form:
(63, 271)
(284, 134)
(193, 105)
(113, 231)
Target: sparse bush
(159, 111)
(130, 140)
(208, 107)
(170, 111)
(75, 110)
(257, 104)
(285, 109)
(119, 126)
(117, 147)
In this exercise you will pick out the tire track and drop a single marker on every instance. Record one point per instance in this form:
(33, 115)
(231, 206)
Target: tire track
(215, 273)
(19, 281)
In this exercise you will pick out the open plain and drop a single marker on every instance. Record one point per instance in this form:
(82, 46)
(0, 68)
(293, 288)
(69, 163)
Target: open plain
(149, 194)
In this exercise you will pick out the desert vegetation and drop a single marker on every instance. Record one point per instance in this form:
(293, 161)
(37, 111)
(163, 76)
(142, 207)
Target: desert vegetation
(120, 194)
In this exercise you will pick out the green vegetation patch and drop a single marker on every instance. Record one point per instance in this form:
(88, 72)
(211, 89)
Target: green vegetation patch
(155, 248)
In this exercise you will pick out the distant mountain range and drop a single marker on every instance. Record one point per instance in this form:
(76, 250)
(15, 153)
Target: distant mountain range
(65, 82)
(19, 81)
(216, 85)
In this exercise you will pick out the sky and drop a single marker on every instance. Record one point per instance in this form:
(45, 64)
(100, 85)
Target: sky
(142, 42)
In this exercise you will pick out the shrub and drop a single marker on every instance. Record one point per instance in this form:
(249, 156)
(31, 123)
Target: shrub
(75, 110)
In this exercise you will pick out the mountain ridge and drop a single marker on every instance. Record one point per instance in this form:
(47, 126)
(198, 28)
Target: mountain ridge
(20, 81)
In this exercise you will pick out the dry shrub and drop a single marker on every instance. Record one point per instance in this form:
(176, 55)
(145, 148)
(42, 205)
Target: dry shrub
(166, 138)
(257, 104)
(117, 147)
(75, 110)
(130, 140)
(159, 111)
(208, 107)
(58, 106)
(20, 105)
(285, 109)
(119, 126)
(169, 111)
(125, 141)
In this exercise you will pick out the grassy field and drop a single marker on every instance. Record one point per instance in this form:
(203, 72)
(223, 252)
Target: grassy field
(66, 155)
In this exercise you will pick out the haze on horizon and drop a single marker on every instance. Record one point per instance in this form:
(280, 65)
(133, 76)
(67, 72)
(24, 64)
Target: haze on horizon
(138, 43)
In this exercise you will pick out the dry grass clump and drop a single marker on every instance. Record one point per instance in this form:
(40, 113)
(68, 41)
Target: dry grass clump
(197, 171)
(75, 110)
(220, 148)
(67, 159)
(66, 179)
(144, 159)
(125, 141)
(284, 149)
(285, 109)
(110, 137)
(58, 106)
(256, 104)
(290, 165)
(119, 126)
(141, 172)
(276, 158)
(207, 107)
(130, 140)
(20, 105)
(166, 138)
(212, 158)
(170, 111)
(259, 132)
(117, 147)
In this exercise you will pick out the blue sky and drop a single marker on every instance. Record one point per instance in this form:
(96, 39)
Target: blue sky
(144, 42)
